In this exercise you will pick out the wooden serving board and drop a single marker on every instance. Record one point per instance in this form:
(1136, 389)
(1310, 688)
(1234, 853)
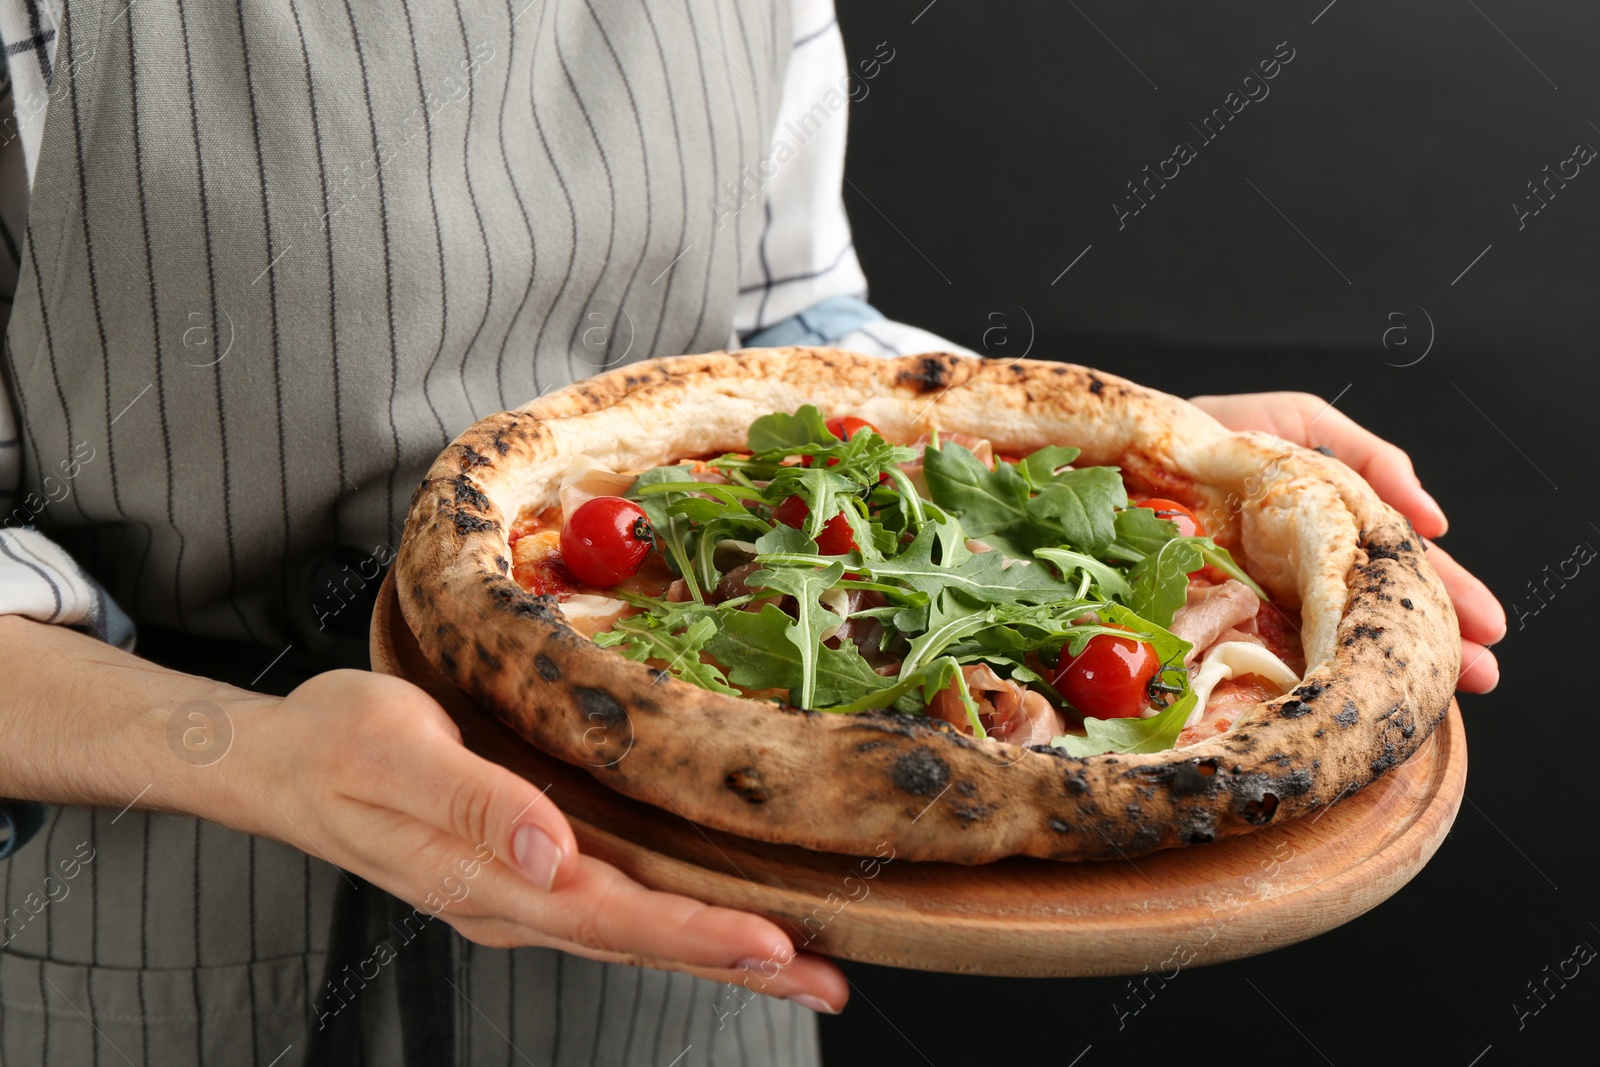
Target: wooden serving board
(1024, 917)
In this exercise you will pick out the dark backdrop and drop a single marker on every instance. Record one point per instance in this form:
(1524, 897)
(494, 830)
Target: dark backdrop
(1385, 160)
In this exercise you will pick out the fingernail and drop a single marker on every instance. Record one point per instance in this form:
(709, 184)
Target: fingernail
(816, 1004)
(1437, 510)
(536, 854)
(1494, 681)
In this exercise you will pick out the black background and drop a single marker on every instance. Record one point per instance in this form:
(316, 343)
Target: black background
(987, 155)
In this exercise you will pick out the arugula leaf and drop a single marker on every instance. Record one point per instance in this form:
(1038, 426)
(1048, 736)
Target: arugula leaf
(1075, 508)
(648, 637)
(1156, 734)
(655, 506)
(785, 539)
(1140, 531)
(948, 622)
(1107, 577)
(1221, 559)
(1169, 646)
(987, 501)
(806, 585)
(779, 431)
(982, 576)
(1041, 466)
(1160, 581)
(758, 652)
(911, 691)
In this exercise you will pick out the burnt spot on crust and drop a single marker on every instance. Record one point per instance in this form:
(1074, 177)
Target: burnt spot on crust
(930, 373)
(746, 783)
(1349, 715)
(1256, 796)
(1386, 760)
(1362, 631)
(1060, 826)
(971, 813)
(447, 661)
(1195, 777)
(508, 597)
(547, 668)
(500, 562)
(870, 746)
(489, 658)
(600, 707)
(471, 457)
(1377, 551)
(1260, 811)
(1295, 709)
(1198, 827)
(1399, 717)
(466, 523)
(469, 494)
(921, 773)
(1405, 602)
(1076, 784)
(966, 789)
(1309, 693)
(1096, 386)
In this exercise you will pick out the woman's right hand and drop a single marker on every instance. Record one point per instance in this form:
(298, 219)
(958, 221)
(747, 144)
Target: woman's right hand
(369, 773)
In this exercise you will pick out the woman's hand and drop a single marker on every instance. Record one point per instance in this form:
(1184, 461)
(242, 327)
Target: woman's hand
(369, 773)
(1308, 420)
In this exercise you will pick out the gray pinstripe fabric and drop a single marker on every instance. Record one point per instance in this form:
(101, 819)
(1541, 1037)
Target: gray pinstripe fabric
(278, 253)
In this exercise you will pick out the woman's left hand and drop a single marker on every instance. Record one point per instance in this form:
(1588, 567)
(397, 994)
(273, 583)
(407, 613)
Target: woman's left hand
(1308, 420)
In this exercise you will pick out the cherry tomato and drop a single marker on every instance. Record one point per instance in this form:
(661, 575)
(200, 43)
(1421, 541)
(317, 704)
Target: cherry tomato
(605, 541)
(1188, 526)
(1110, 679)
(835, 538)
(847, 426)
(843, 428)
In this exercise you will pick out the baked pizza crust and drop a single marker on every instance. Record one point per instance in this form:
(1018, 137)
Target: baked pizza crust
(1378, 630)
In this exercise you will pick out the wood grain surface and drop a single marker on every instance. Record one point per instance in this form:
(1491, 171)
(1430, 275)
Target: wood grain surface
(1022, 917)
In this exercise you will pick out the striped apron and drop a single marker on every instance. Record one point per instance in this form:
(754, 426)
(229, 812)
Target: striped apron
(279, 253)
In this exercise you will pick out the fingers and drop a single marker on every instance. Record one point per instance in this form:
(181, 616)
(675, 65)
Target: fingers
(810, 980)
(1480, 671)
(441, 783)
(603, 909)
(1482, 618)
(1313, 422)
(1385, 466)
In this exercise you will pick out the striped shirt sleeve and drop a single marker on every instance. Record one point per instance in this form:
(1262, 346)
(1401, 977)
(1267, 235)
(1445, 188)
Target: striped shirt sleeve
(38, 579)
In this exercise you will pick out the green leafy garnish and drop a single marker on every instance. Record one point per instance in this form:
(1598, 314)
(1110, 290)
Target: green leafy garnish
(1067, 558)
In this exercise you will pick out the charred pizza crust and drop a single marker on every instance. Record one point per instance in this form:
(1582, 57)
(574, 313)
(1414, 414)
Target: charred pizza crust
(1379, 632)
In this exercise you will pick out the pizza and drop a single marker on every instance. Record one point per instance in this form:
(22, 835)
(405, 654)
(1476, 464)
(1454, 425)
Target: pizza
(963, 608)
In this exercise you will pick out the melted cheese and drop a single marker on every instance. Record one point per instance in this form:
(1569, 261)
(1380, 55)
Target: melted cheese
(1234, 659)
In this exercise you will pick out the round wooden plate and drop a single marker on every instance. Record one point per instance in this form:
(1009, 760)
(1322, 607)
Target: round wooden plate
(1025, 917)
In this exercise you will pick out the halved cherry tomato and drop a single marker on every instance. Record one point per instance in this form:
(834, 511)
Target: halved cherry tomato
(605, 541)
(846, 426)
(1110, 679)
(835, 538)
(1188, 526)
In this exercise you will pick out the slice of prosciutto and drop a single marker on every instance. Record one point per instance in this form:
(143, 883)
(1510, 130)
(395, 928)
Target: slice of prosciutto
(1211, 611)
(1008, 711)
